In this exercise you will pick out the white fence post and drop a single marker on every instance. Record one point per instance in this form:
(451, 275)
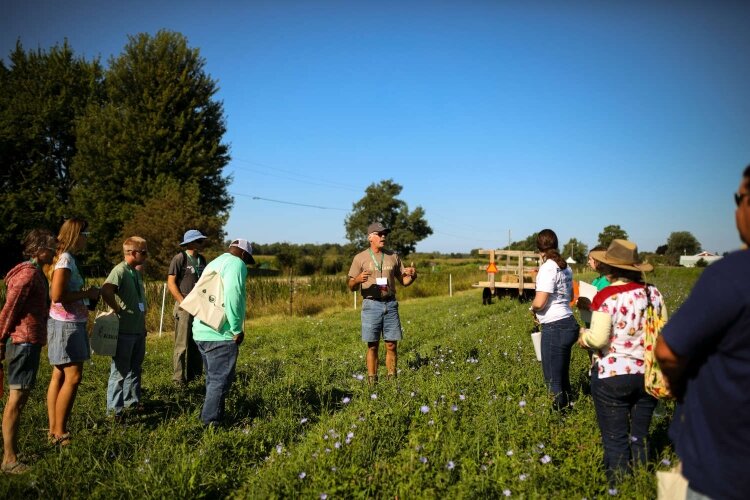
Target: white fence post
(450, 285)
(355, 299)
(163, 299)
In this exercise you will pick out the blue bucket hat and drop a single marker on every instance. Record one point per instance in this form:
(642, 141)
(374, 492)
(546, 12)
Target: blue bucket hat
(192, 235)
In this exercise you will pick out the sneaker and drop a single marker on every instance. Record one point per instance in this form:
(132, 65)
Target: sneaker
(15, 468)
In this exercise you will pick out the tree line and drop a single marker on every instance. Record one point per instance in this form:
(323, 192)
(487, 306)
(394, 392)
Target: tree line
(678, 243)
(133, 148)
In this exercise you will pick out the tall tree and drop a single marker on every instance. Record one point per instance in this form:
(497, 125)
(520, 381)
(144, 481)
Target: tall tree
(380, 203)
(610, 233)
(576, 249)
(682, 243)
(160, 119)
(42, 94)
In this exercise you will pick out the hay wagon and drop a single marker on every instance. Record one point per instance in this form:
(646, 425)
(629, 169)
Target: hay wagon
(516, 270)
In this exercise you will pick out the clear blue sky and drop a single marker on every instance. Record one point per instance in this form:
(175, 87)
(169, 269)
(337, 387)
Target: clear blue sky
(495, 117)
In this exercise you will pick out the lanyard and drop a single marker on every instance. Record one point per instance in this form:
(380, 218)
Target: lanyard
(196, 264)
(379, 267)
(134, 275)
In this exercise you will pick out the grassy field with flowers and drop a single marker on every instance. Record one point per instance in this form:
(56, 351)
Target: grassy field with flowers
(467, 417)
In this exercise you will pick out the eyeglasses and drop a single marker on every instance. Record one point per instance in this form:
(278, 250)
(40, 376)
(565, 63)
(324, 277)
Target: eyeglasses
(738, 197)
(381, 234)
(142, 252)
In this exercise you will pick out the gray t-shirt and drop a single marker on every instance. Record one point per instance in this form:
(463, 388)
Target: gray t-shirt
(186, 270)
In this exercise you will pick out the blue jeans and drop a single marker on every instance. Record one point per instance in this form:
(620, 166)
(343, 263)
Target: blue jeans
(124, 386)
(558, 338)
(623, 410)
(221, 360)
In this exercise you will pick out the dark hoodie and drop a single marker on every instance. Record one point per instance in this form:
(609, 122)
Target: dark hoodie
(24, 315)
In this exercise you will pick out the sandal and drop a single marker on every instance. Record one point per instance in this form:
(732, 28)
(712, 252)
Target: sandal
(15, 468)
(63, 440)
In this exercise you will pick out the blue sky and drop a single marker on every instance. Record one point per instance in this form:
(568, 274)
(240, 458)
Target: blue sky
(497, 118)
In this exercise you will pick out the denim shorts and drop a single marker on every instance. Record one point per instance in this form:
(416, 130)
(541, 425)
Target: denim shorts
(380, 317)
(67, 342)
(23, 364)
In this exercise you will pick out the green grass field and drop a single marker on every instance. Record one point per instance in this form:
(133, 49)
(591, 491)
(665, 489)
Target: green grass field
(467, 417)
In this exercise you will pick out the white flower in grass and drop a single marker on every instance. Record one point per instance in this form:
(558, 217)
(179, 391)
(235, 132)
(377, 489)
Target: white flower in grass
(424, 409)
(454, 408)
(483, 467)
(477, 378)
(509, 453)
(327, 450)
(450, 465)
(302, 475)
(506, 492)
(333, 469)
(612, 492)
(323, 496)
(545, 459)
(325, 436)
(337, 444)
(540, 446)
(522, 403)
(146, 461)
(279, 449)
(522, 477)
(431, 422)
(373, 396)
(461, 397)
(349, 435)
(303, 420)
(412, 394)
(346, 400)
(423, 460)
(666, 462)
(633, 439)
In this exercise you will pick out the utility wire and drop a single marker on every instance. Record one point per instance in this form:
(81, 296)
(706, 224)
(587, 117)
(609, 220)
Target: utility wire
(289, 202)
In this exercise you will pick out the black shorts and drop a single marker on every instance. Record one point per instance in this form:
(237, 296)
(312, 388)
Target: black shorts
(23, 364)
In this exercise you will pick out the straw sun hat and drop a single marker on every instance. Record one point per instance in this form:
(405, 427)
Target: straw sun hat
(622, 254)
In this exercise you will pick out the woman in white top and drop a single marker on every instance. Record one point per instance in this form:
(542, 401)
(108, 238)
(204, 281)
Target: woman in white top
(551, 304)
(623, 408)
(67, 340)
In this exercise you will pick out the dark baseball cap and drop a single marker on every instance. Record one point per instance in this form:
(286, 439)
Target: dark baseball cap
(377, 227)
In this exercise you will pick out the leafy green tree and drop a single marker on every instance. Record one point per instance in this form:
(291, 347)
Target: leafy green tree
(380, 203)
(612, 232)
(576, 249)
(682, 243)
(163, 219)
(526, 244)
(160, 119)
(42, 94)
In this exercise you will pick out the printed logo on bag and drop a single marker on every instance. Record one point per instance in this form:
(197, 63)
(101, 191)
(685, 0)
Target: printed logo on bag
(212, 298)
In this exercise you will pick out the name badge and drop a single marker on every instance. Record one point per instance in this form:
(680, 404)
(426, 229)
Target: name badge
(142, 306)
(382, 284)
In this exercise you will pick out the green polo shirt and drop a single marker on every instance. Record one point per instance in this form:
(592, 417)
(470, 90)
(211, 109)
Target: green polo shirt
(130, 294)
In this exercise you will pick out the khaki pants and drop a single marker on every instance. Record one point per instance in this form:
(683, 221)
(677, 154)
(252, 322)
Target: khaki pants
(187, 360)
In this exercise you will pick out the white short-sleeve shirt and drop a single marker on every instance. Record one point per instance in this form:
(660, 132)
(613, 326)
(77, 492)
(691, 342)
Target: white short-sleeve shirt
(559, 284)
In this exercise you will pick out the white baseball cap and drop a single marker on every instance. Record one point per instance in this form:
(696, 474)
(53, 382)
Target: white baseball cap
(244, 245)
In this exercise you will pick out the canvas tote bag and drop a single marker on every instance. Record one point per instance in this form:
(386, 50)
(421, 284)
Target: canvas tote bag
(104, 334)
(206, 300)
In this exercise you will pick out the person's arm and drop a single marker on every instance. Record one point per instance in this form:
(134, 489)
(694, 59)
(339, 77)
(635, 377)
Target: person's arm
(58, 292)
(540, 301)
(406, 275)
(597, 336)
(109, 291)
(174, 289)
(233, 276)
(356, 276)
(15, 295)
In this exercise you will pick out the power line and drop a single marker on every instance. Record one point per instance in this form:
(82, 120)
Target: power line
(289, 202)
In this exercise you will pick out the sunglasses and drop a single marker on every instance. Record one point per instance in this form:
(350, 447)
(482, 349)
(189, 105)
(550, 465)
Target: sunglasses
(739, 197)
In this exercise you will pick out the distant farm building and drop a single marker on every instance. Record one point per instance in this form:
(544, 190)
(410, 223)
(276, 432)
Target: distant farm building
(692, 260)
(571, 260)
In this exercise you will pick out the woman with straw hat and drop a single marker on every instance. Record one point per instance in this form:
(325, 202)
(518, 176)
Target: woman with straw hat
(623, 408)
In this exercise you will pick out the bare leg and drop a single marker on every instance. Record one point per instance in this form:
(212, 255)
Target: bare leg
(55, 383)
(66, 397)
(11, 418)
(391, 358)
(372, 362)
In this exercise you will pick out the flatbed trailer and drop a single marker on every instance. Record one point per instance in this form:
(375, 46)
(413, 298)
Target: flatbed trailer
(516, 270)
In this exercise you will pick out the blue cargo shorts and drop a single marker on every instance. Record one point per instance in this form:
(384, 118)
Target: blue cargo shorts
(23, 364)
(380, 318)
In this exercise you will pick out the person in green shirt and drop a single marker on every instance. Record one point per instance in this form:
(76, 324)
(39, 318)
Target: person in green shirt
(124, 292)
(220, 348)
(601, 281)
